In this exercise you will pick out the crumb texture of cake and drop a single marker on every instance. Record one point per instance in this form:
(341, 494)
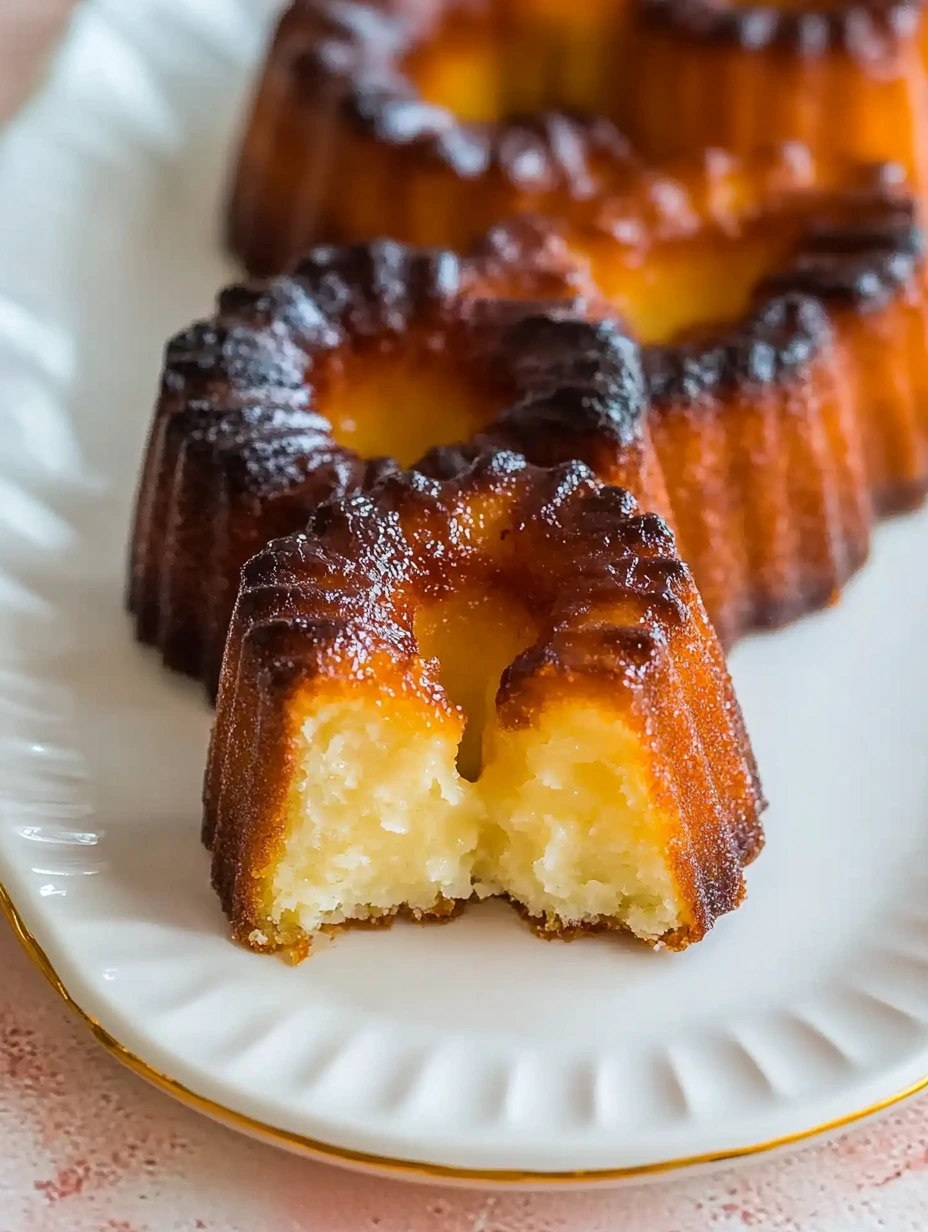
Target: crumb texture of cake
(365, 358)
(589, 762)
(431, 121)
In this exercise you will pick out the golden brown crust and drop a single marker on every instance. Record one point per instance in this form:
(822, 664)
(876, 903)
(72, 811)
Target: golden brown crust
(339, 603)
(240, 450)
(846, 79)
(771, 441)
(550, 85)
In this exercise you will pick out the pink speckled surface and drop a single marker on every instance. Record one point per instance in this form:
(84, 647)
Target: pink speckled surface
(86, 1147)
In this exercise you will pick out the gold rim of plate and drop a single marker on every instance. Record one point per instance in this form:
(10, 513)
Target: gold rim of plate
(324, 1152)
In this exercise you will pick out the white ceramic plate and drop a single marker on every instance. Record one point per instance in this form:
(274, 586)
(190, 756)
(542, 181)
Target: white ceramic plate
(466, 1050)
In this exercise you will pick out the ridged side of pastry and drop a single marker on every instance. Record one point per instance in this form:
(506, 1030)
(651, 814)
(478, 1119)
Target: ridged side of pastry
(847, 80)
(232, 403)
(762, 455)
(354, 642)
(866, 263)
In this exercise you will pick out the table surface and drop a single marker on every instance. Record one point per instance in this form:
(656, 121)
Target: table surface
(87, 1147)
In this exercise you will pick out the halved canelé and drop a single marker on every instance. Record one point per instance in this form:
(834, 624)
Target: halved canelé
(429, 122)
(311, 386)
(590, 762)
(787, 369)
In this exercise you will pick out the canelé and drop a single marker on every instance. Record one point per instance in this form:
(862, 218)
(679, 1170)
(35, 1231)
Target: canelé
(590, 763)
(786, 350)
(785, 337)
(311, 385)
(431, 120)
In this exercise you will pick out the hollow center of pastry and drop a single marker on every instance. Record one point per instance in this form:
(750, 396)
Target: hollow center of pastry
(474, 635)
(400, 403)
(674, 286)
(505, 62)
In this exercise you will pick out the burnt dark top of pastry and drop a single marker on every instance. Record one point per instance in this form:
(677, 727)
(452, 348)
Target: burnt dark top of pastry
(243, 382)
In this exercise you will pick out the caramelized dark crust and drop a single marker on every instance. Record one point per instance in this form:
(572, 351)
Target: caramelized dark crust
(336, 607)
(241, 451)
(430, 122)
